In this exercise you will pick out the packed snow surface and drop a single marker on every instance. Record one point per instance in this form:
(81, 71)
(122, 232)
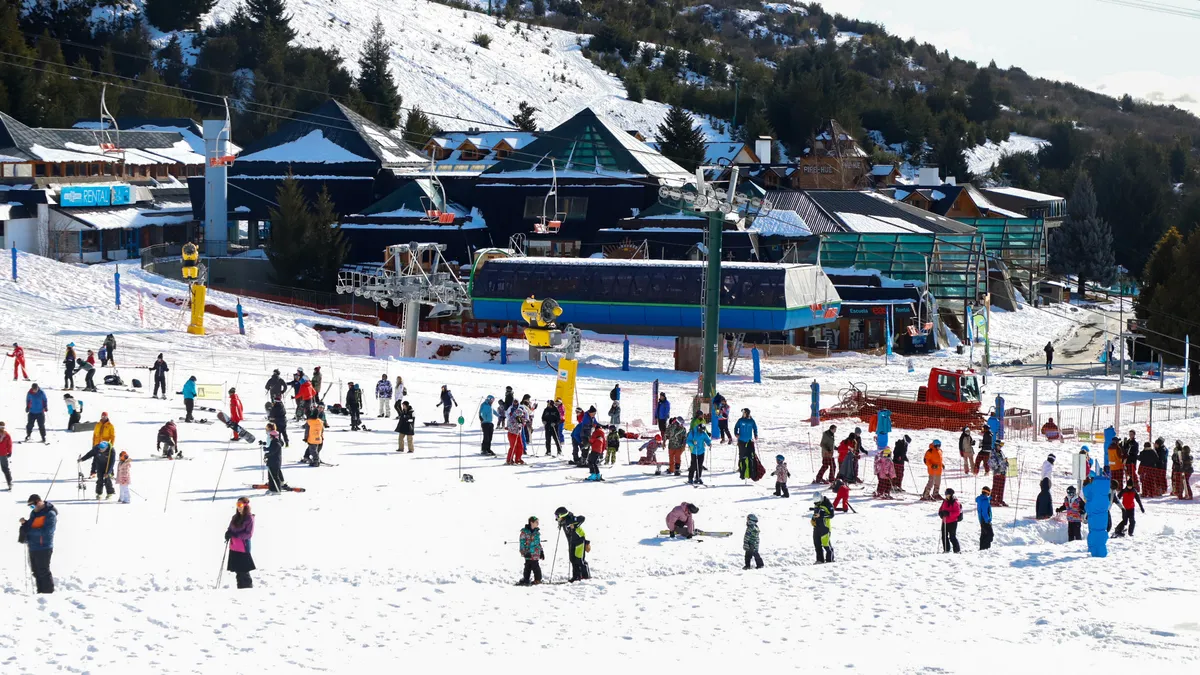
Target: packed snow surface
(983, 158)
(389, 556)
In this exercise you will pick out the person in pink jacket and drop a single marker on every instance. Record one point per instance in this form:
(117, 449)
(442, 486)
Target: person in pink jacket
(679, 520)
(123, 477)
(951, 513)
(238, 534)
(885, 473)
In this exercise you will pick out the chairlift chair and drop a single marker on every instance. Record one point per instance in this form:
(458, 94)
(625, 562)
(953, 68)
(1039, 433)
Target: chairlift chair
(547, 224)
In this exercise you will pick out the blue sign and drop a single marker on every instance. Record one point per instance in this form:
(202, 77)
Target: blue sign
(122, 194)
(95, 195)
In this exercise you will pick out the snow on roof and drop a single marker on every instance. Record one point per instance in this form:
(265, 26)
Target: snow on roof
(1025, 194)
(312, 148)
(865, 224)
(784, 223)
(884, 281)
(132, 217)
(468, 225)
(652, 263)
(882, 169)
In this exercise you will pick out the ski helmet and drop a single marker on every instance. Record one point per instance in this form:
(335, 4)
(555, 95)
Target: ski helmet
(103, 445)
(778, 458)
(937, 443)
(751, 518)
(560, 512)
(1070, 489)
(692, 508)
(1050, 458)
(817, 498)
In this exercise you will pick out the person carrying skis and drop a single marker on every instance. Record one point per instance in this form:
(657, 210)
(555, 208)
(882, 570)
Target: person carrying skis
(124, 477)
(159, 369)
(189, 398)
(18, 357)
(104, 431)
(885, 473)
(612, 443)
(822, 517)
(662, 412)
(651, 447)
(275, 387)
(236, 414)
(1126, 498)
(104, 460)
(933, 464)
(999, 474)
(781, 474)
(35, 411)
(273, 458)
(577, 543)
(110, 343)
(37, 532)
(746, 431)
(446, 401)
(89, 378)
(951, 514)
(515, 425)
(983, 510)
(1049, 349)
(750, 543)
(699, 441)
(238, 534)
(487, 425)
(966, 450)
(530, 545)
(383, 394)
(1074, 506)
(168, 440)
(406, 426)
(679, 520)
(828, 447)
(676, 442)
(69, 367)
(598, 443)
(550, 422)
(5, 453)
(314, 437)
(900, 458)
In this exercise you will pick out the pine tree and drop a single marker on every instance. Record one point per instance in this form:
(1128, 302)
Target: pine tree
(172, 15)
(271, 14)
(1083, 245)
(1173, 311)
(170, 59)
(983, 106)
(291, 225)
(418, 128)
(524, 119)
(375, 79)
(1159, 270)
(681, 140)
(949, 144)
(327, 238)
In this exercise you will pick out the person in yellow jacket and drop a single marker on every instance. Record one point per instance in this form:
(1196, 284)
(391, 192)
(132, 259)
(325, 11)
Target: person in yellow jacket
(104, 431)
(933, 464)
(314, 436)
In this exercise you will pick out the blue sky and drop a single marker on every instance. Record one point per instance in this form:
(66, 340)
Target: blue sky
(1105, 47)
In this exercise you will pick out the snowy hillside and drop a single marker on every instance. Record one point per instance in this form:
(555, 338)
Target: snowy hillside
(389, 554)
(983, 158)
(437, 67)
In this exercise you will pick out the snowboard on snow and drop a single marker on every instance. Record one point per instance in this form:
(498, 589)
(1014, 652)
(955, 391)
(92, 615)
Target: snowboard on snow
(242, 433)
(440, 424)
(83, 426)
(699, 533)
(286, 489)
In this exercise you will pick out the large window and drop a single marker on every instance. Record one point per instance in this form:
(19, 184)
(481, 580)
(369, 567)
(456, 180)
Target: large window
(570, 208)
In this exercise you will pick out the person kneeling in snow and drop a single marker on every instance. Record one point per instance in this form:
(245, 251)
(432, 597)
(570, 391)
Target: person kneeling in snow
(651, 447)
(679, 520)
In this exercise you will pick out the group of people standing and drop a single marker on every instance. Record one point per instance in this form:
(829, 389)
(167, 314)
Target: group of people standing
(1153, 469)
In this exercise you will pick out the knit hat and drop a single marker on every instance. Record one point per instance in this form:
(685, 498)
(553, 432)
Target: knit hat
(778, 458)
(751, 518)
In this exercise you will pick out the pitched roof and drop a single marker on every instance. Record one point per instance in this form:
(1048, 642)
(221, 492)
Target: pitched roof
(354, 135)
(190, 129)
(22, 143)
(412, 200)
(588, 144)
(860, 211)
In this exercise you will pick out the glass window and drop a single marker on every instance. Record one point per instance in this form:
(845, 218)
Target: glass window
(970, 388)
(574, 207)
(947, 386)
(533, 207)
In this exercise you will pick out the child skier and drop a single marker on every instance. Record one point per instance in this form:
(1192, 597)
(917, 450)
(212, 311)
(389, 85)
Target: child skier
(651, 446)
(842, 488)
(781, 475)
(951, 514)
(821, 518)
(599, 442)
(750, 543)
(1074, 506)
(680, 522)
(123, 477)
(885, 473)
(531, 551)
(614, 443)
(1126, 499)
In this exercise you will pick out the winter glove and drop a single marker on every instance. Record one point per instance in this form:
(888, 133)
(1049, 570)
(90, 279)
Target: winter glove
(228, 535)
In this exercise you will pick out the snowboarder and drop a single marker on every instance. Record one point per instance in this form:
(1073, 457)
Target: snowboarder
(110, 343)
(828, 447)
(1126, 499)
(445, 403)
(383, 393)
(69, 367)
(89, 379)
(37, 532)
(236, 413)
(822, 517)
(279, 417)
(35, 411)
(781, 475)
(487, 425)
(238, 534)
(885, 473)
(5, 453)
(662, 412)
(189, 398)
(746, 431)
(531, 551)
(679, 520)
(1049, 349)
(18, 357)
(698, 440)
(578, 545)
(999, 474)
(159, 369)
(951, 514)
(900, 458)
(104, 460)
(124, 467)
(550, 422)
(933, 464)
(314, 437)
(612, 443)
(1074, 506)
(966, 450)
(405, 426)
(168, 440)
(983, 509)
(515, 425)
(750, 543)
(275, 387)
(598, 443)
(273, 458)
(104, 431)
(676, 442)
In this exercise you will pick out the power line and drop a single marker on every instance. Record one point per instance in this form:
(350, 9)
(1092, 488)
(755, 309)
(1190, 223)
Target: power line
(1146, 5)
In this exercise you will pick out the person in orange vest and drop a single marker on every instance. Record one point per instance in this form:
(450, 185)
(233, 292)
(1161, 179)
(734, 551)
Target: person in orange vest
(18, 357)
(933, 465)
(236, 415)
(1116, 462)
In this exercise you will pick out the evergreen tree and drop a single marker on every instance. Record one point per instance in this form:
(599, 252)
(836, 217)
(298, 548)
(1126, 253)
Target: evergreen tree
(271, 14)
(681, 140)
(1082, 245)
(982, 106)
(150, 99)
(524, 119)
(635, 86)
(375, 79)
(307, 247)
(328, 240)
(171, 15)
(418, 128)
(1158, 271)
(170, 63)
(539, 7)
(1173, 310)
(949, 144)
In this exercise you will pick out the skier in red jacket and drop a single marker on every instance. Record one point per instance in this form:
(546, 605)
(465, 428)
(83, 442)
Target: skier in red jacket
(18, 357)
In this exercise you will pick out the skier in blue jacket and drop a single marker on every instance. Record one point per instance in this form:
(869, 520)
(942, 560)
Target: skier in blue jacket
(662, 411)
(983, 508)
(698, 441)
(35, 408)
(189, 397)
(487, 417)
(746, 431)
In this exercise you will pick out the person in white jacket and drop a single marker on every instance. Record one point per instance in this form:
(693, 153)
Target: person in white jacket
(383, 392)
(1048, 467)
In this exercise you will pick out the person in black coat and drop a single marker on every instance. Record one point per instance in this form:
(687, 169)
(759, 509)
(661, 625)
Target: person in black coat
(405, 426)
(899, 459)
(278, 417)
(104, 461)
(274, 459)
(354, 404)
(1045, 504)
(276, 386)
(551, 419)
(89, 378)
(446, 401)
(159, 369)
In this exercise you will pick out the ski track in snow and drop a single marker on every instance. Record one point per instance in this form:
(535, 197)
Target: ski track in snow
(388, 554)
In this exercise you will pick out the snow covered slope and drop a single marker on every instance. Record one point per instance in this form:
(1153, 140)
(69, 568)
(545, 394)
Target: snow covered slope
(983, 158)
(438, 68)
(390, 557)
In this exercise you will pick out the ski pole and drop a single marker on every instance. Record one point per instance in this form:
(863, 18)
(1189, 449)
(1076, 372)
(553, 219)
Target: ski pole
(29, 569)
(222, 472)
(169, 479)
(52, 480)
(221, 571)
(554, 560)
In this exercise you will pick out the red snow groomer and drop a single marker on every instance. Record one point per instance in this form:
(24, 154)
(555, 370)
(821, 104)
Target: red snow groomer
(949, 400)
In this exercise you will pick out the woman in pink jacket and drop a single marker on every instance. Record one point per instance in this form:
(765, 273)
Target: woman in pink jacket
(679, 520)
(950, 513)
(885, 473)
(241, 529)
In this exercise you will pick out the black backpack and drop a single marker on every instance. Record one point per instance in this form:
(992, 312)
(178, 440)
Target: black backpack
(113, 380)
(612, 395)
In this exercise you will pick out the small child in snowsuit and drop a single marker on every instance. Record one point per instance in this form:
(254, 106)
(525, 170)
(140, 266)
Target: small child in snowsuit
(531, 551)
(750, 543)
(123, 477)
(781, 475)
(842, 488)
(614, 443)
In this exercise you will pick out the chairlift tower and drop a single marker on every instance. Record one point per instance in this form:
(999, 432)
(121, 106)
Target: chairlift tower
(411, 275)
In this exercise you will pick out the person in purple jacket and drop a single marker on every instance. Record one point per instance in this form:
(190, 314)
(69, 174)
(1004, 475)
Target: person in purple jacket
(241, 529)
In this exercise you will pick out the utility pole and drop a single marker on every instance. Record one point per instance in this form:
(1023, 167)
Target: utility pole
(712, 307)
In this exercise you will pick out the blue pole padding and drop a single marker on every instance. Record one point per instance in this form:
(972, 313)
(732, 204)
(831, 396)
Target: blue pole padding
(503, 350)
(14, 253)
(754, 356)
(625, 356)
(815, 418)
(117, 280)
(371, 344)
(241, 319)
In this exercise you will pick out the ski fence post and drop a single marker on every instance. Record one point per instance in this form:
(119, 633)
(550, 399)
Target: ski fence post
(117, 285)
(756, 358)
(624, 352)
(14, 261)
(241, 318)
(503, 350)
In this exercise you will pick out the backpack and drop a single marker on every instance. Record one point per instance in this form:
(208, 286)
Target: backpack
(613, 394)
(137, 384)
(113, 380)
